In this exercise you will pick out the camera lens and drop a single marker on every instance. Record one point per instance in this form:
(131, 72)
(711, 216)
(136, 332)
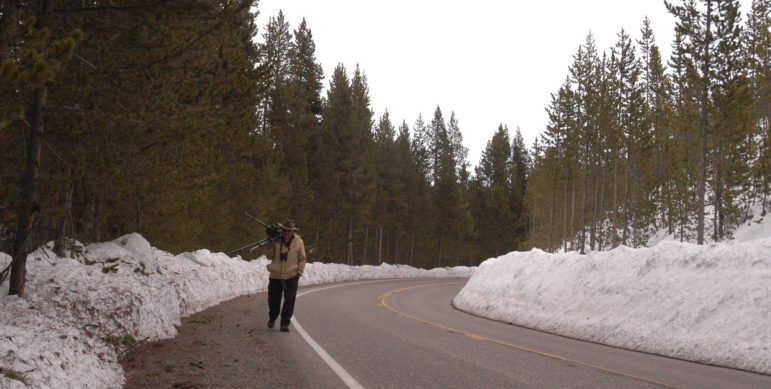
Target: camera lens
(283, 256)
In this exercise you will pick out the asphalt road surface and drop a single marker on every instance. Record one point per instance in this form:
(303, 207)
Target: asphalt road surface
(406, 334)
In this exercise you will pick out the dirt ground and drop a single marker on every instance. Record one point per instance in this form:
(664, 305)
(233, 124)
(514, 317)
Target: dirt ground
(225, 346)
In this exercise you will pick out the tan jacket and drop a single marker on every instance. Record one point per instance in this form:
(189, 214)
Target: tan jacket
(293, 265)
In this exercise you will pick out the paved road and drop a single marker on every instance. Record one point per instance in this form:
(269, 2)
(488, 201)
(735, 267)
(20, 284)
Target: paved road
(405, 333)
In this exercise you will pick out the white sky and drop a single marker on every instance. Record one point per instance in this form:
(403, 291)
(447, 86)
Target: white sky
(490, 61)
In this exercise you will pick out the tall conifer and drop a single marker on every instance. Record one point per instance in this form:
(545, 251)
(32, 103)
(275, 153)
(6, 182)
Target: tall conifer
(758, 42)
(493, 194)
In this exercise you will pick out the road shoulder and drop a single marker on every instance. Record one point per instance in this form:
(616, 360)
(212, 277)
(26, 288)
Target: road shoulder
(227, 345)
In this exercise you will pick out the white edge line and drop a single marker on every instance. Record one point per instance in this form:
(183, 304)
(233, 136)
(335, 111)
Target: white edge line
(339, 370)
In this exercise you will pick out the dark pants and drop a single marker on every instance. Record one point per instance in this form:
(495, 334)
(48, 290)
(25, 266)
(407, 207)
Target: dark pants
(275, 289)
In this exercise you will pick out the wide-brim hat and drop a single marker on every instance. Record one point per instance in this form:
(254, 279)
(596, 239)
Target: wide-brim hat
(289, 225)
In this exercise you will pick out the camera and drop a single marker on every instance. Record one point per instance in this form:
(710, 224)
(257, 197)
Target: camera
(284, 256)
(273, 231)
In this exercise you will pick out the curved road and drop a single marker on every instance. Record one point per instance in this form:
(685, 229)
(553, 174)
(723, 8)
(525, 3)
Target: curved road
(406, 334)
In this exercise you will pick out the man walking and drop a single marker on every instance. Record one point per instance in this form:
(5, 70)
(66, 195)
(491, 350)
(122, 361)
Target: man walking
(287, 262)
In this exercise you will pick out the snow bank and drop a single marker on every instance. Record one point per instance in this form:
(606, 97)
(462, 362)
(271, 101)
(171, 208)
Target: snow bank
(754, 229)
(80, 312)
(709, 304)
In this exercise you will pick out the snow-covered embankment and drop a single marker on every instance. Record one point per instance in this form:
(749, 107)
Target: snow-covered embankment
(79, 312)
(710, 304)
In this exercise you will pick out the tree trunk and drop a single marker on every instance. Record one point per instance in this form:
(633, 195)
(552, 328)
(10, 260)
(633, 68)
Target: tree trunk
(595, 201)
(551, 213)
(635, 211)
(682, 225)
(65, 202)
(625, 221)
(412, 249)
(601, 212)
(350, 240)
(573, 214)
(614, 239)
(364, 258)
(702, 184)
(439, 257)
(634, 182)
(396, 249)
(765, 168)
(582, 247)
(670, 207)
(542, 227)
(719, 201)
(532, 231)
(318, 231)
(380, 244)
(29, 210)
(387, 245)
(565, 214)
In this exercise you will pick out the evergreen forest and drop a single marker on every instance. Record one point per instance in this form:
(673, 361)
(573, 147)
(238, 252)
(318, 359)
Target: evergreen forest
(171, 118)
(638, 144)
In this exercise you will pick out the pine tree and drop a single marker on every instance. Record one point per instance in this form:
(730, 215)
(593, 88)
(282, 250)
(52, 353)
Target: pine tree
(711, 38)
(683, 152)
(306, 73)
(303, 118)
(606, 148)
(422, 221)
(493, 168)
(390, 200)
(699, 41)
(275, 61)
(636, 134)
(492, 207)
(758, 41)
(658, 101)
(406, 176)
(159, 110)
(732, 138)
(244, 175)
(32, 54)
(421, 148)
(560, 137)
(359, 187)
(330, 162)
(454, 222)
(460, 152)
(585, 72)
(520, 170)
(438, 140)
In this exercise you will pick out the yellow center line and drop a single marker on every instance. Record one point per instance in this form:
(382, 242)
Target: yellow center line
(390, 293)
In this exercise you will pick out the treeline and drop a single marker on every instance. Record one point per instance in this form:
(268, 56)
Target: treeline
(133, 115)
(368, 190)
(634, 146)
(164, 117)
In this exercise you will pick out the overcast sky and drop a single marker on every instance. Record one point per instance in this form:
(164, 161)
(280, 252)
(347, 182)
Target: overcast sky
(491, 62)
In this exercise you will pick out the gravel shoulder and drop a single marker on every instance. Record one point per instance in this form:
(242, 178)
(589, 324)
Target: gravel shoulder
(228, 345)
